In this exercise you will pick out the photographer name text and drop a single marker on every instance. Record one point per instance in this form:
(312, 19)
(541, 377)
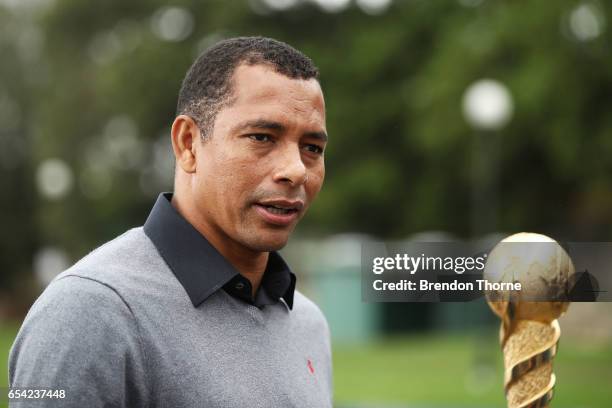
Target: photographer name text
(425, 285)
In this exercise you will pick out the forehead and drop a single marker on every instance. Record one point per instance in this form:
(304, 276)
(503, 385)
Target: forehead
(259, 89)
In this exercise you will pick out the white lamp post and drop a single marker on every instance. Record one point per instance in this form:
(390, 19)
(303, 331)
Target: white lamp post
(487, 107)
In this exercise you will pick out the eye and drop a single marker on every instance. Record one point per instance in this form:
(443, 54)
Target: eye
(260, 137)
(313, 148)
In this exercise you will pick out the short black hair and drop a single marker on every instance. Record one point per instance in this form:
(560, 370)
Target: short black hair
(207, 85)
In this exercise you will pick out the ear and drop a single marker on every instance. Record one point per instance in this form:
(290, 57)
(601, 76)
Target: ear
(185, 135)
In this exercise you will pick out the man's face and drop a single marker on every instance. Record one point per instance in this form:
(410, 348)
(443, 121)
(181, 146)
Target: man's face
(262, 164)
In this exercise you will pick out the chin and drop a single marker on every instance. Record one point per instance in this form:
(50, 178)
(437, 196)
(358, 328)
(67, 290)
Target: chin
(267, 242)
(264, 246)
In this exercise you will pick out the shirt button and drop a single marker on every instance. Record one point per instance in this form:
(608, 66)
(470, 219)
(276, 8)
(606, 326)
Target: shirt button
(239, 286)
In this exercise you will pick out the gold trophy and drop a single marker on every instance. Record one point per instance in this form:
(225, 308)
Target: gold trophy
(529, 331)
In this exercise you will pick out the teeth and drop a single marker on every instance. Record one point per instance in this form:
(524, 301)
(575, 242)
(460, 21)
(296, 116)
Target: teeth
(278, 210)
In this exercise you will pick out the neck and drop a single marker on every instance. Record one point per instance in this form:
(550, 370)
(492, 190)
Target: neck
(251, 264)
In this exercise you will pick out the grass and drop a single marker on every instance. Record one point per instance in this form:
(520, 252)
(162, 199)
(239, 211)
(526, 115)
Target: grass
(439, 371)
(458, 371)
(7, 335)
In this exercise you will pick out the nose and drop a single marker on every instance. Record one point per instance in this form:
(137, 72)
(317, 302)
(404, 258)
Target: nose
(290, 168)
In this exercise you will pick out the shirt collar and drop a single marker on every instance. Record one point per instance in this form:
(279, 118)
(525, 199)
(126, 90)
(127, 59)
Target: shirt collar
(197, 265)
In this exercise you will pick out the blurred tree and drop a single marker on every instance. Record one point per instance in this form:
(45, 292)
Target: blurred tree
(19, 203)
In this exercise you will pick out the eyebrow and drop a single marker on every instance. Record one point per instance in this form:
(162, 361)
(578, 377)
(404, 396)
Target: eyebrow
(279, 127)
(322, 136)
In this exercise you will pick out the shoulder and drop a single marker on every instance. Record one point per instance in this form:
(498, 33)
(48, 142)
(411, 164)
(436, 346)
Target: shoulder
(80, 332)
(75, 316)
(302, 303)
(98, 290)
(133, 247)
(77, 303)
(308, 312)
(127, 264)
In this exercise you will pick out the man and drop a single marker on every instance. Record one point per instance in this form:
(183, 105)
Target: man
(196, 309)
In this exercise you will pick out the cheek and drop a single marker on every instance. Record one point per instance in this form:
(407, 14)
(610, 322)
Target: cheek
(237, 180)
(315, 181)
(231, 174)
(214, 179)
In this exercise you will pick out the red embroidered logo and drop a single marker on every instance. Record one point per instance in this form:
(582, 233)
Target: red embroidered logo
(310, 366)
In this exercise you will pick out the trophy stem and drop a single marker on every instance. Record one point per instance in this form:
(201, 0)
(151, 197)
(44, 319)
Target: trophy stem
(529, 348)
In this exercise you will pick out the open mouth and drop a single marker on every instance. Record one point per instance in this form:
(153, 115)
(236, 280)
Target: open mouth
(279, 210)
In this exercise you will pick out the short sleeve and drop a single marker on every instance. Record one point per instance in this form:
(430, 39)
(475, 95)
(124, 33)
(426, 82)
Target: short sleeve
(80, 336)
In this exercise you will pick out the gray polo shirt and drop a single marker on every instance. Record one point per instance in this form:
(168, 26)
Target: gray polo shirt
(133, 325)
